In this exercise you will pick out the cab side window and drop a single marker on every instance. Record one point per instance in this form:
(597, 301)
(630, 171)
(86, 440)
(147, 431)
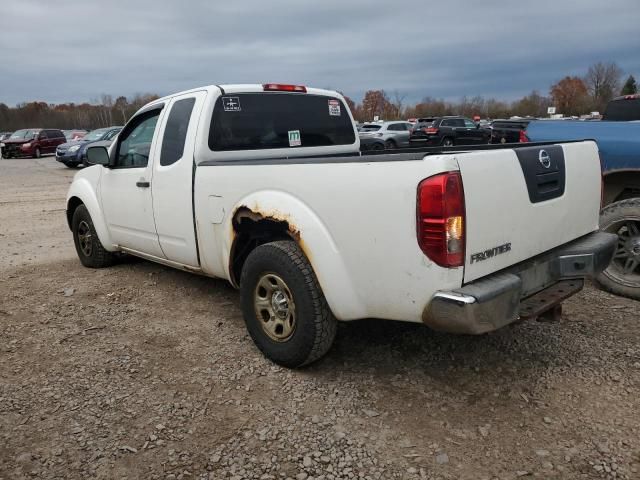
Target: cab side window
(175, 133)
(134, 144)
(469, 124)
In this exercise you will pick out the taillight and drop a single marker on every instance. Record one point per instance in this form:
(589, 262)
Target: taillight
(441, 219)
(279, 87)
(523, 137)
(431, 130)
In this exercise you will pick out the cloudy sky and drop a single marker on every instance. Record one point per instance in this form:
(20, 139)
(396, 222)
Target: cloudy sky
(75, 50)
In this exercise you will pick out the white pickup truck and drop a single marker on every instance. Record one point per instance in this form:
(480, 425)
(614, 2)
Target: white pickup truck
(264, 185)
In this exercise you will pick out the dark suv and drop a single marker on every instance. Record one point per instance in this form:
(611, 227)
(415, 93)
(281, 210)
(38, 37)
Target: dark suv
(449, 131)
(510, 131)
(623, 109)
(32, 142)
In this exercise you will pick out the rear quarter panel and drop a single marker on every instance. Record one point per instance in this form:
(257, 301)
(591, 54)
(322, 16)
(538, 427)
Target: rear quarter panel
(356, 224)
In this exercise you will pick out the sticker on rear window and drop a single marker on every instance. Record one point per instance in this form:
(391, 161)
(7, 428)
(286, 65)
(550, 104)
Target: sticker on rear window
(294, 138)
(334, 108)
(231, 104)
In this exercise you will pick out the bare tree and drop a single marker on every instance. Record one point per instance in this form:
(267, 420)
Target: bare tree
(398, 102)
(603, 81)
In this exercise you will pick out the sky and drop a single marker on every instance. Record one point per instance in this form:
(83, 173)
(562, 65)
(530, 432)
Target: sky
(76, 50)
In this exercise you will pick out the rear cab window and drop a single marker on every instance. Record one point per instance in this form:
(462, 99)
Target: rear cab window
(255, 121)
(623, 109)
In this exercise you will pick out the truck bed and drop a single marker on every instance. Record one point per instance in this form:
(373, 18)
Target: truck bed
(395, 155)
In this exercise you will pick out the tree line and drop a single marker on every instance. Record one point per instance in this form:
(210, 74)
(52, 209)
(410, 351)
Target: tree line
(571, 95)
(103, 112)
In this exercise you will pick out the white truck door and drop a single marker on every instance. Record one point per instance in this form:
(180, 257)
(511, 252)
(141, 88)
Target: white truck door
(173, 177)
(125, 188)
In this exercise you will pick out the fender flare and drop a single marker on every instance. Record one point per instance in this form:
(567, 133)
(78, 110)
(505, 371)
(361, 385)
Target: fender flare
(313, 238)
(82, 190)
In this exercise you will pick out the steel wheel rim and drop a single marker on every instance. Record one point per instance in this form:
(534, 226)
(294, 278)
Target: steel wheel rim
(625, 266)
(85, 238)
(275, 308)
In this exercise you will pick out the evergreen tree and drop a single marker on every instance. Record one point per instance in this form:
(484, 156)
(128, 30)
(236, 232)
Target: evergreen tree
(630, 86)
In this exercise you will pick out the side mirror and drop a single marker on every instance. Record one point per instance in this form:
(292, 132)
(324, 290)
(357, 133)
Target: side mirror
(97, 155)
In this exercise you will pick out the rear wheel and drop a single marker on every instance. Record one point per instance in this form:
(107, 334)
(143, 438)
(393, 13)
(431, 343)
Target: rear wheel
(390, 145)
(622, 276)
(283, 306)
(377, 146)
(90, 251)
(447, 142)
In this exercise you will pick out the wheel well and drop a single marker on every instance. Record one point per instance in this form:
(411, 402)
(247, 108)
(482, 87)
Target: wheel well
(252, 229)
(621, 186)
(72, 204)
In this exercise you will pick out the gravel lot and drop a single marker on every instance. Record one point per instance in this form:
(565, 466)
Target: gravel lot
(140, 371)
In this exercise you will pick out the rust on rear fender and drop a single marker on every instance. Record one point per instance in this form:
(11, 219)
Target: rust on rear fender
(271, 217)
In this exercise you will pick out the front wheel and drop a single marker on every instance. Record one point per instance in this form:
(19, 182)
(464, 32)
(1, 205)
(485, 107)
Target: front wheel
(622, 276)
(88, 246)
(283, 306)
(37, 153)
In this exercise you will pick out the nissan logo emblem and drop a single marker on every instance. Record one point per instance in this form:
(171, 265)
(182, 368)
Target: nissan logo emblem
(544, 158)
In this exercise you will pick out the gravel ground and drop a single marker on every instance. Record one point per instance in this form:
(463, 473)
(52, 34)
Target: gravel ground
(140, 371)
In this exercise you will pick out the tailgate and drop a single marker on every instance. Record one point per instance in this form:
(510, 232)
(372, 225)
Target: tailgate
(522, 202)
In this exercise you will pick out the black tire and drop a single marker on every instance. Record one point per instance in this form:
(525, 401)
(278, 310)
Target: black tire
(447, 142)
(390, 145)
(311, 328)
(90, 251)
(622, 276)
(37, 153)
(377, 146)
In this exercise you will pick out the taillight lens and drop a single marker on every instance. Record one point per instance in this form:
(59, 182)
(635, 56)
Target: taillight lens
(431, 131)
(523, 137)
(279, 87)
(441, 219)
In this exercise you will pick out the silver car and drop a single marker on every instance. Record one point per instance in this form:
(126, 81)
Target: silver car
(384, 135)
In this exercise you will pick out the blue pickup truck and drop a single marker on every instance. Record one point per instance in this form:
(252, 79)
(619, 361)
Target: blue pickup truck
(619, 145)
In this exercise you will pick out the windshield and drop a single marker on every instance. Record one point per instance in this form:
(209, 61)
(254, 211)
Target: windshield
(95, 134)
(24, 134)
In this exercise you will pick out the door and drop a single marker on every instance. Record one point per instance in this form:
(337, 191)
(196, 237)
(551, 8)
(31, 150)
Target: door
(43, 142)
(172, 179)
(474, 133)
(401, 134)
(125, 187)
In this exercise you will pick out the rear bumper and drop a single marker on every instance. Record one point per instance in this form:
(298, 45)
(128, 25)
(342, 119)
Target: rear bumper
(495, 301)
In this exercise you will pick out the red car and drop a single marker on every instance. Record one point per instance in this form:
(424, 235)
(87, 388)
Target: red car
(32, 142)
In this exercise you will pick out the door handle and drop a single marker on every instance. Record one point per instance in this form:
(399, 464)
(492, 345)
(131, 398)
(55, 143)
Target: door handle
(143, 184)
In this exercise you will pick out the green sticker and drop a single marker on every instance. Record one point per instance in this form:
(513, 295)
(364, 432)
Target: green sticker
(295, 140)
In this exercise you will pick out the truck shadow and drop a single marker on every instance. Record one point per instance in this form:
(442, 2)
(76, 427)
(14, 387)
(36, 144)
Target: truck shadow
(390, 348)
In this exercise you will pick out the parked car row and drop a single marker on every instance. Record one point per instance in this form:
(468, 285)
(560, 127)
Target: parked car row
(69, 146)
(74, 153)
